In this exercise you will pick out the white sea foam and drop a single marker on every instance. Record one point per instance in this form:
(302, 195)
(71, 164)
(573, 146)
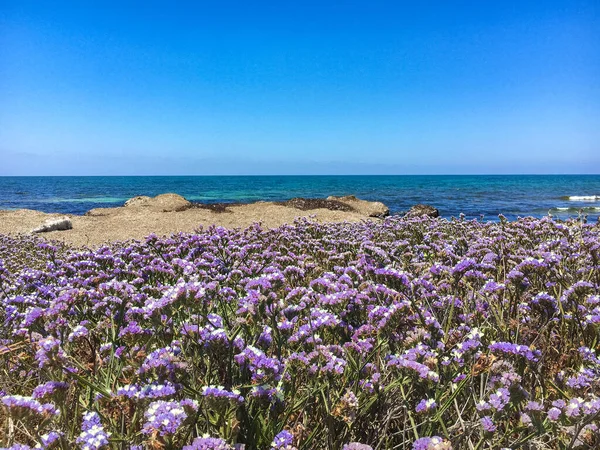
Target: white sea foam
(584, 198)
(575, 208)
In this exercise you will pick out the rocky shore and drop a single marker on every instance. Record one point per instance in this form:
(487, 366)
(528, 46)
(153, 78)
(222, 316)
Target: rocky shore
(170, 213)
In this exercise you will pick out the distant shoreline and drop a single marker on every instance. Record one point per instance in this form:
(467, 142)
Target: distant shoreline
(170, 213)
(514, 196)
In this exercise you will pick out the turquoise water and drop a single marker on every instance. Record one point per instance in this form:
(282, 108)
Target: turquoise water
(474, 195)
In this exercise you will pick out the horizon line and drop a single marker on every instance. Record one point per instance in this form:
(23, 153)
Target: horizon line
(312, 175)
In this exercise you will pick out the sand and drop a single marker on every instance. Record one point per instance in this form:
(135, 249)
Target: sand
(155, 215)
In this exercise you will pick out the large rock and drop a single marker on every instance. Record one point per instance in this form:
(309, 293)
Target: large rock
(307, 204)
(140, 200)
(63, 223)
(370, 209)
(160, 203)
(422, 210)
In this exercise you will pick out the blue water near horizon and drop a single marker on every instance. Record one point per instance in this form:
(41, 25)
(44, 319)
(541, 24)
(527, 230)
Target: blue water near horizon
(473, 195)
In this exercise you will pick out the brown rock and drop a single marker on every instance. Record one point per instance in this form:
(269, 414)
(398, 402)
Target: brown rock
(308, 204)
(422, 210)
(217, 208)
(369, 209)
(162, 202)
(140, 200)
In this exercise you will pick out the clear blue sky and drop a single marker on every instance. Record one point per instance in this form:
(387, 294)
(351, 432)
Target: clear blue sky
(263, 87)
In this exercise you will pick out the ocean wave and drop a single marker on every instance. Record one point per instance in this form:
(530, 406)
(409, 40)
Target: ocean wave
(575, 208)
(581, 198)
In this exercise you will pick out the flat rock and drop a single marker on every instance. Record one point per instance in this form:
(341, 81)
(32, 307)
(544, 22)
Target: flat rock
(163, 202)
(63, 223)
(140, 200)
(308, 204)
(369, 209)
(422, 210)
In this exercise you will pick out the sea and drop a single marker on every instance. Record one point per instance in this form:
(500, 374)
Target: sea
(480, 197)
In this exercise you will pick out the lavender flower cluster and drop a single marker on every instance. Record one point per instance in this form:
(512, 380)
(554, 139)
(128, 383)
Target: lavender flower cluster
(412, 333)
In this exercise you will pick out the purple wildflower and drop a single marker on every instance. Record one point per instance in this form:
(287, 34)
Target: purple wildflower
(218, 393)
(19, 406)
(426, 405)
(515, 349)
(49, 389)
(554, 413)
(93, 436)
(356, 446)
(165, 417)
(488, 424)
(283, 440)
(208, 443)
(431, 443)
(51, 438)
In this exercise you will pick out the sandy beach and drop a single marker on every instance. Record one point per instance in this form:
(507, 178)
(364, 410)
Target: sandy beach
(171, 213)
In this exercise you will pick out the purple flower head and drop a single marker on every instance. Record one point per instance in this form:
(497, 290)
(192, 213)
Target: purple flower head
(49, 352)
(283, 440)
(261, 366)
(515, 349)
(265, 339)
(573, 408)
(150, 391)
(554, 413)
(208, 443)
(423, 371)
(216, 394)
(463, 266)
(525, 419)
(50, 439)
(488, 424)
(471, 343)
(164, 362)
(133, 331)
(93, 436)
(129, 391)
(267, 395)
(356, 446)
(393, 273)
(534, 406)
(19, 406)
(431, 443)
(492, 286)
(49, 389)
(560, 403)
(426, 405)
(165, 417)
(79, 332)
(499, 399)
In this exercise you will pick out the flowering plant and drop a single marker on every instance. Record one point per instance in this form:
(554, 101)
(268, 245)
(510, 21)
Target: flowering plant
(413, 333)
